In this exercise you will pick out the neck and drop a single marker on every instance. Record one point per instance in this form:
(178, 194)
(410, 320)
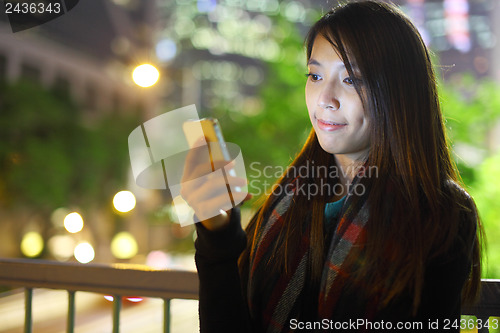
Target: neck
(349, 167)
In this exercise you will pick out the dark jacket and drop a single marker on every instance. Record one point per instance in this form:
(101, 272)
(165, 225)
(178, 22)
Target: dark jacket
(223, 307)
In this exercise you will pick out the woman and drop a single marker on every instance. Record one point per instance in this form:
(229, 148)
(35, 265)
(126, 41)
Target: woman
(389, 240)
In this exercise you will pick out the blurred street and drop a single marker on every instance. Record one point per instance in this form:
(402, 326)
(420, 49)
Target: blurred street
(93, 313)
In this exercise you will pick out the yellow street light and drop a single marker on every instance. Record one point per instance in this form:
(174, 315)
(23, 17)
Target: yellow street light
(124, 201)
(84, 253)
(124, 245)
(145, 75)
(32, 244)
(73, 222)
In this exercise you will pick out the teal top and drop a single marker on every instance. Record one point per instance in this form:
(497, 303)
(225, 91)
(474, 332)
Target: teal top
(332, 212)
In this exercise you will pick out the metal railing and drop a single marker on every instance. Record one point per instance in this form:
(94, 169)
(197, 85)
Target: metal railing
(126, 280)
(116, 280)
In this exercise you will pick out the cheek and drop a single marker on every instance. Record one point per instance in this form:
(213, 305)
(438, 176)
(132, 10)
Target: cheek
(362, 123)
(307, 93)
(309, 102)
(360, 117)
(365, 129)
(311, 115)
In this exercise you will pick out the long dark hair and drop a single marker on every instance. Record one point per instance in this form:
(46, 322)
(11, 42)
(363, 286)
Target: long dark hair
(421, 217)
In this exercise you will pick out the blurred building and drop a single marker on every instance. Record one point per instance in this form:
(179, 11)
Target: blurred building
(463, 33)
(89, 52)
(216, 52)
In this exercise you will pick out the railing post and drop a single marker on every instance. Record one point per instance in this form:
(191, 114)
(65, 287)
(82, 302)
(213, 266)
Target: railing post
(72, 277)
(117, 304)
(71, 312)
(166, 315)
(28, 302)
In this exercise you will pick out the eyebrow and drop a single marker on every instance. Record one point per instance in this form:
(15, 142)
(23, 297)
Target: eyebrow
(313, 62)
(317, 63)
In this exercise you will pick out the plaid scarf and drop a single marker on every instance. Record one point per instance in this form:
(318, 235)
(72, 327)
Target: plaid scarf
(281, 303)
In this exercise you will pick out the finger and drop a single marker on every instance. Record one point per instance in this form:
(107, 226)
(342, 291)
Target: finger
(202, 174)
(198, 167)
(219, 164)
(216, 184)
(238, 197)
(197, 171)
(196, 156)
(217, 221)
(212, 186)
(208, 183)
(206, 192)
(200, 141)
(213, 207)
(207, 204)
(248, 197)
(203, 169)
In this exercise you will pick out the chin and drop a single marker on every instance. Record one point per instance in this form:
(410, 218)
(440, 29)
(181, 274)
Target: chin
(329, 150)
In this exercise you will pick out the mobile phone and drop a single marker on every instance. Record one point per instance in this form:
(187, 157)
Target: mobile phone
(210, 129)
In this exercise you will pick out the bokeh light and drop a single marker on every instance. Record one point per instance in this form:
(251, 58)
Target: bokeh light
(166, 49)
(124, 201)
(73, 222)
(130, 299)
(295, 11)
(124, 245)
(32, 244)
(61, 246)
(158, 260)
(84, 253)
(57, 217)
(145, 75)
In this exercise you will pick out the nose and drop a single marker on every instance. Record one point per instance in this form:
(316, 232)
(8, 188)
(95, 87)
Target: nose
(328, 99)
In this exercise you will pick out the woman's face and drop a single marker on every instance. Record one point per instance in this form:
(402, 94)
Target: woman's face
(334, 106)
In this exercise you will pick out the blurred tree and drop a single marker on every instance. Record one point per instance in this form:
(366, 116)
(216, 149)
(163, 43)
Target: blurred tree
(472, 111)
(265, 39)
(486, 191)
(270, 138)
(48, 158)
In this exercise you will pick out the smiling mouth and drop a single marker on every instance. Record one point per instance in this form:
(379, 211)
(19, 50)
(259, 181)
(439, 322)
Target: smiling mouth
(328, 125)
(327, 122)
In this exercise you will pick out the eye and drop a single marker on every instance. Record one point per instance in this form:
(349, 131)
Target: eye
(351, 80)
(313, 77)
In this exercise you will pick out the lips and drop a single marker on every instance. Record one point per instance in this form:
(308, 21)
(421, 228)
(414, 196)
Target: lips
(328, 125)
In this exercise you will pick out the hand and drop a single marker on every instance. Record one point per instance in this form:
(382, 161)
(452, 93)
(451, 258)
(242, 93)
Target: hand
(209, 190)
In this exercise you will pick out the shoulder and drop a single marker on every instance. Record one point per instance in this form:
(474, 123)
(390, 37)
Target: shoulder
(463, 200)
(455, 188)
(463, 209)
